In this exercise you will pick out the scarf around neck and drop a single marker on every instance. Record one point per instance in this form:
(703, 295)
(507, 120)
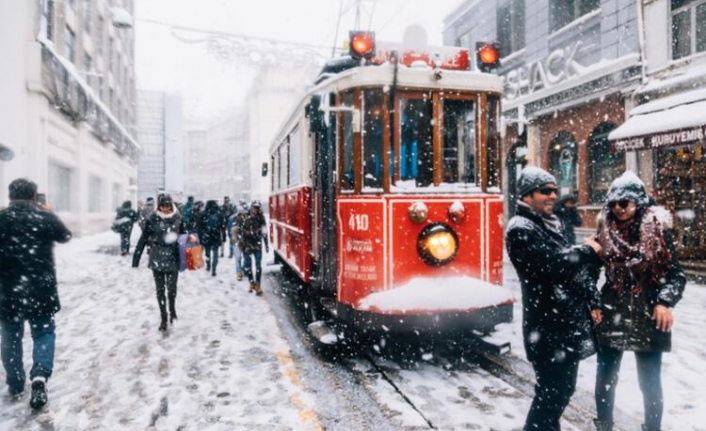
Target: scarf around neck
(640, 261)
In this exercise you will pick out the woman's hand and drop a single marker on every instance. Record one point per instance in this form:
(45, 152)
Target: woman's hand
(662, 316)
(597, 316)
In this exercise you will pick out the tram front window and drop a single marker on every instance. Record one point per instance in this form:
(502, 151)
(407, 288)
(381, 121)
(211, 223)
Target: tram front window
(459, 141)
(372, 138)
(416, 149)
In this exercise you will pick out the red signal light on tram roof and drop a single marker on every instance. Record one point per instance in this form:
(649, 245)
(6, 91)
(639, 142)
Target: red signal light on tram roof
(361, 45)
(487, 56)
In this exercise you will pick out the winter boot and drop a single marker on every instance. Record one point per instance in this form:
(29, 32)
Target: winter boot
(239, 276)
(646, 428)
(213, 273)
(208, 265)
(172, 317)
(603, 425)
(257, 289)
(39, 393)
(163, 323)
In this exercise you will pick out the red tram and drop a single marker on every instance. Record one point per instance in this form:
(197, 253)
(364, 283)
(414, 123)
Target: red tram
(385, 194)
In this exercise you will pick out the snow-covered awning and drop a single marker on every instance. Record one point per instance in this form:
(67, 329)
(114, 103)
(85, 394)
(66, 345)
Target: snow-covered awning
(673, 121)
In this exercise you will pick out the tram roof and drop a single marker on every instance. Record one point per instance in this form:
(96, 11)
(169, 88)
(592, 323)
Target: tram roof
(408, 78)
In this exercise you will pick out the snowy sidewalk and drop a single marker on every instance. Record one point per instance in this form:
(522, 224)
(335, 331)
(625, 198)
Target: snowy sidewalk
(222, 366)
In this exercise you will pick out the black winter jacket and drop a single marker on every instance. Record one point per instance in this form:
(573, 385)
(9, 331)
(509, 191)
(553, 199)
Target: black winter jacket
(124, 219)
(627, 317)
(569, 217)
(161, 233)
(27, 271)
(557, 290)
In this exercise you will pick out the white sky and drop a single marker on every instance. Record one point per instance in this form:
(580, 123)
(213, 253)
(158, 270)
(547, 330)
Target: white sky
(209, 86)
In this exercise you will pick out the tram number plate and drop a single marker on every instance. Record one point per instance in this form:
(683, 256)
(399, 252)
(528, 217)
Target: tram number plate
(358, 222)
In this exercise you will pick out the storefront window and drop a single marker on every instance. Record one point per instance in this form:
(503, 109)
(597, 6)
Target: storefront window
(605, 164)
(680, 185)
(59, 187)
(562, 153)
(688, 27)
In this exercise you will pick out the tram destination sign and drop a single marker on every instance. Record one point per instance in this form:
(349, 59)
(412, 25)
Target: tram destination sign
(673, 138)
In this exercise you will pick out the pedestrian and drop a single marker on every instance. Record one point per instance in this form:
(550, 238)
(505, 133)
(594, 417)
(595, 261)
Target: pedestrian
(565, 209)
(125, 218)
(144, 212)
(227, 210)
(252, 232)
(188, 208)
(234, 223)
(558, 297)
(210, 233)
(644, 281)
(161, 232)
(28, 288)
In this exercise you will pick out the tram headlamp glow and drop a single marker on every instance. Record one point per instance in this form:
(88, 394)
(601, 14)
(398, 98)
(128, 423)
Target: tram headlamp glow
(437, 244)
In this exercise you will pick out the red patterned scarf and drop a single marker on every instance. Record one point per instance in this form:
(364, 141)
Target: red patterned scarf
(640, 263)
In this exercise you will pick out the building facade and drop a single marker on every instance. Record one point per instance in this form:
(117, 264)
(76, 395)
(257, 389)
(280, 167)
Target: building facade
(580, 77)
(161, 133)
(67, 111)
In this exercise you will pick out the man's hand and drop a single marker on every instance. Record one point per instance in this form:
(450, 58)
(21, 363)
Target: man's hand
(662, 316)
(591, 242)
(597, 316)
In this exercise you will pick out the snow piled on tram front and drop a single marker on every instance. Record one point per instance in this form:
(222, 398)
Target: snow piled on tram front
(428, 294)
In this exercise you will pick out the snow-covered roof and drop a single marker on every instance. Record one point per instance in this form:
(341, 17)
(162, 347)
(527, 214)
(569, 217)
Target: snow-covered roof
(682, 111)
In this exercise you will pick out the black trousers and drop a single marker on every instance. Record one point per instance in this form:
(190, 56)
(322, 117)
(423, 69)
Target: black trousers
(556, 383)
(166, 281)
(649, 372)
(125, 241)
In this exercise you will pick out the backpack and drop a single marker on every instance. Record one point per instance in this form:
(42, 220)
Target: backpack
(213, 223)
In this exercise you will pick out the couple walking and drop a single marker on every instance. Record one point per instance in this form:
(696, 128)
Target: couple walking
(566, 319)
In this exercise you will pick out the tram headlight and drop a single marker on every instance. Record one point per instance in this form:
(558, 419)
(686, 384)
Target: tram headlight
(437, 244)
(418, 212)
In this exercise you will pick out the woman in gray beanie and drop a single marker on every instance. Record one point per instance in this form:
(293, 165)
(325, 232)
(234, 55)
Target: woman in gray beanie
(644, 281)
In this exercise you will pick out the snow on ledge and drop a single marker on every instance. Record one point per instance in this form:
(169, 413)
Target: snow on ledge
(447, 294)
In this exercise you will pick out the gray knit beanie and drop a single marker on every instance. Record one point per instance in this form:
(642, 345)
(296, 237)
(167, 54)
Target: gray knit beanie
(531, 179)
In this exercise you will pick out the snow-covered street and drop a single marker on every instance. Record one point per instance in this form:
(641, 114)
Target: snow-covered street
(227, 365)
(222, 366)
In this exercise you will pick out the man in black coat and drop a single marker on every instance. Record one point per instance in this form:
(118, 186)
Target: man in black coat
(28, 288)
(558, 297)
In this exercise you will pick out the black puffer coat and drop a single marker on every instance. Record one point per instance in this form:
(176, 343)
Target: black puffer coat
(557, 290)
(125, 218)
(27, 271)
(627, 316)
(161, 233)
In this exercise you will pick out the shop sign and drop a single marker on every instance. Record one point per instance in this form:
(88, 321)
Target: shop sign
(675, 138)
(558, 66)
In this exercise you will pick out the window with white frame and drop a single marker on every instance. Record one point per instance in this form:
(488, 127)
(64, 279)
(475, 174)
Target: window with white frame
(563, 12)
(95, 194)
(47, 19)
(688, 27)
(69, 45)
(117, 193)
(511, 26)
(59, 187)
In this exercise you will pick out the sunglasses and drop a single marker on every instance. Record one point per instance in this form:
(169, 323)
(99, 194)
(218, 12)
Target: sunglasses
(547, 191)
(622, 203)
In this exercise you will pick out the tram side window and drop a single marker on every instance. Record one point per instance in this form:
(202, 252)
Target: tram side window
(294, 157)
(493, 144)
(347, 168)
(372, 138)
(416, 148)
(459, 141)
(280, 174)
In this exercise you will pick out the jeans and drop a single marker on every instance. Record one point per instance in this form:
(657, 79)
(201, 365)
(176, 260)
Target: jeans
(238, 255)
(44, 341)
(247, 257)
(125, 241)
(166, 281)
(649, 374)
(555, 386)
(212, 262)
